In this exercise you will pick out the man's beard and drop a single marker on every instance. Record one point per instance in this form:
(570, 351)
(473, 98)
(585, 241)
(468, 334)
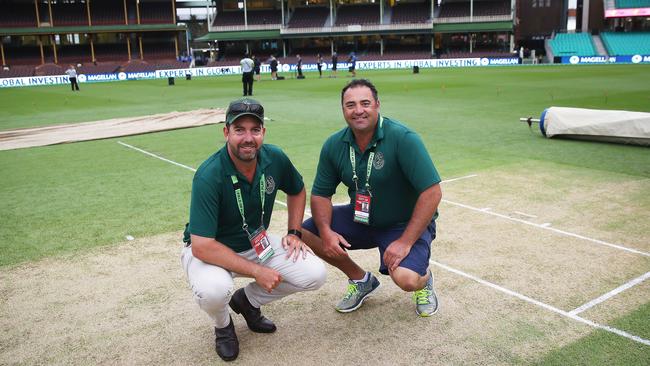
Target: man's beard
(242, 156)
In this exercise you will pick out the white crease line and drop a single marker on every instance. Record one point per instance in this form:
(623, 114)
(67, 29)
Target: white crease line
(543, 305)
(620, 247)
(459, 178)
(610, 294)
(524, 214)
(156, 156)
(172, 162)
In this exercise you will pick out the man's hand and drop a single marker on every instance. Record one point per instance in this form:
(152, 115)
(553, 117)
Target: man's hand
(267, 278)
(332, 242)
(294, 246)
(395, 253)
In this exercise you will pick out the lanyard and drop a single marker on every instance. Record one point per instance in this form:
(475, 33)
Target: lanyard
(355, 178)
(240, 200)
(371, 158)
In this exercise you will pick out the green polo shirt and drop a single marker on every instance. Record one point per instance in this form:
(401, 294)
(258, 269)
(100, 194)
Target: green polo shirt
(401, 170)
(213, 208)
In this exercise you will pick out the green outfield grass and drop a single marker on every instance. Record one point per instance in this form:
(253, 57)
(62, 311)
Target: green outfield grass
(64, 199)
(68, 197)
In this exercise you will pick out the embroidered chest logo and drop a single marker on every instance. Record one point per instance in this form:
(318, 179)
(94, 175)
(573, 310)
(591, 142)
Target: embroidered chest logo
(378, 162)
(270, 185)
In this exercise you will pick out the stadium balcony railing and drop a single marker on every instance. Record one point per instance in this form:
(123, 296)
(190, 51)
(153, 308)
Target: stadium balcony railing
(632, 43)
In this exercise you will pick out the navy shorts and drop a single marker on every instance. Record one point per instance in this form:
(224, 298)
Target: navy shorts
(361, 236)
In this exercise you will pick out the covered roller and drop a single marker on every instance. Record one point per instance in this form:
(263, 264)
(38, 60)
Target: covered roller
(596, 125)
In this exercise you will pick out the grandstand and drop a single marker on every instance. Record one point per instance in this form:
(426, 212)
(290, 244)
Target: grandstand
(43, 37)
(104, 36)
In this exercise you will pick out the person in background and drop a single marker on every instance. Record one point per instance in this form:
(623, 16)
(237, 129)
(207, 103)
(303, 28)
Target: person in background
(299, 66)
(72, 75)
(319, 64)
(257, 65)
(335, 60)
(274, 68)
(353, 64)
(247, 65)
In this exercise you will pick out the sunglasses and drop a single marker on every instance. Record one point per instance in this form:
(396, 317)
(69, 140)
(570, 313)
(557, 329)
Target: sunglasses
(240, 107)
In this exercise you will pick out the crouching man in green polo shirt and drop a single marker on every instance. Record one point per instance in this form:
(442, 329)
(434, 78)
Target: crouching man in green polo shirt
(233, 193)
(394, 195)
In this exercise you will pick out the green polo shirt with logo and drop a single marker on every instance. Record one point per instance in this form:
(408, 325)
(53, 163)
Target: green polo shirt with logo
(213, 208)
(401, 170)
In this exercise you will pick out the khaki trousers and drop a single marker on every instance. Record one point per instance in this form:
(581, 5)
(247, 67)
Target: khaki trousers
(213, 286)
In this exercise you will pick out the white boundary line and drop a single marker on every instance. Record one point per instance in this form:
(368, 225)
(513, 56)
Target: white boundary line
(547, 227)
(474, 278)
(612, 293)
(543, 305)
(172, 162)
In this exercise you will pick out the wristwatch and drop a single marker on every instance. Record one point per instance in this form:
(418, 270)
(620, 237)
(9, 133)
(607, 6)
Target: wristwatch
(295, 232)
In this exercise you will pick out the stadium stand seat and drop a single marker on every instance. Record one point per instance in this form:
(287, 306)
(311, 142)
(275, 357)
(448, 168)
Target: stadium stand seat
(570, 44)
(48, 69)
(632, 4)
(314, 16)
(633, 43)
(481, 8)
(106, 13)
(410, 13)
(69, 14)
(156, 12)
(255, 17)
(357, 14)
(17, 71)
(99, 68)
(21, 15)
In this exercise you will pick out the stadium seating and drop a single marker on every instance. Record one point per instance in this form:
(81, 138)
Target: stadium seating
(626, 43)
(69, 14)
(21, 15)
(106, 13)
(17, 71)
(570, 44)
(49, 69)
(633, 4)
(156, 12)
(257, 17)
(410, 13)
(481, 8)
(357, 14)
(314, 16)
(99, 68)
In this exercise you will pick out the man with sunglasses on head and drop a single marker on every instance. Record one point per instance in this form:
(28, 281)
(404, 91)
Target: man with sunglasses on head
(233, 193)
(394, 194)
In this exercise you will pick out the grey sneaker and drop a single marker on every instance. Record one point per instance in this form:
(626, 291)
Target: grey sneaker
(356, 294)
(426, 301)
